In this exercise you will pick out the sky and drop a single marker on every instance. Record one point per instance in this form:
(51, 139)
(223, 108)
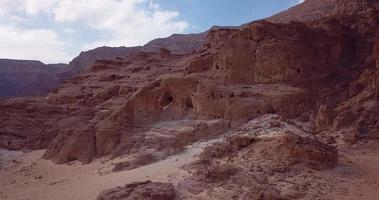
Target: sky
(56, 31)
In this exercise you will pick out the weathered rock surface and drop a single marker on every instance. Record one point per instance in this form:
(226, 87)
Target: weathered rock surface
(161, 102)
(263, 159)
(311, 10)
(289, 94)
(307, 11)
(140, 191)
(29, 124)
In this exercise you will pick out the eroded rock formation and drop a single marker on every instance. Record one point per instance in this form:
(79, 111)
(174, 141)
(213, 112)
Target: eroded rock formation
(289, 94)
(264, 159)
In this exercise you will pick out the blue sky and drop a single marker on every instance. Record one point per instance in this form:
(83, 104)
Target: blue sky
(203, 14)
(58, 30)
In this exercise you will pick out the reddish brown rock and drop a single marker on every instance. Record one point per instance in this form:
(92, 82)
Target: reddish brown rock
(278, 152)
(161, 102)
(310, 10)
(264, 158)
(140, 191)
(29, 124)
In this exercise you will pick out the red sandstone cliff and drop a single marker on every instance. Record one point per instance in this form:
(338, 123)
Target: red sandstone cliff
(304, 89)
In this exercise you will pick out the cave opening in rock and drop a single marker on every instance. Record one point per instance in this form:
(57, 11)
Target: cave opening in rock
(166, 99)
(189, 104)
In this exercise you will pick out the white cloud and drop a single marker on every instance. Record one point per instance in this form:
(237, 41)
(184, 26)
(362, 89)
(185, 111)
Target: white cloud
(33, 7)
(5, 6)
(120, 22)
(34, 44)
(128, 24)
(69, 31)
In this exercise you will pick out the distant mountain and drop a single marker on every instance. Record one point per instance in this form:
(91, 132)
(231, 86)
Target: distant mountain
(29, 77)
(86, 59)
(33, 78)
(176, 44)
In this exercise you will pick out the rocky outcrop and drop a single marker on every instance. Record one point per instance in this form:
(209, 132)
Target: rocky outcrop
(265, 159)
(29, 78)
(274, 147)
(352, 111)
(140, 191)
(266, 53)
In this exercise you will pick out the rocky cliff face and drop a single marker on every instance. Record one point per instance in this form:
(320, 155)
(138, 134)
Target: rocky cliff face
(29, 78)
(290, 69)
(302, 89)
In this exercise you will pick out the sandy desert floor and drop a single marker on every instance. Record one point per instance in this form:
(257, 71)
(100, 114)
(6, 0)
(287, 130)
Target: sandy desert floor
(32, 178)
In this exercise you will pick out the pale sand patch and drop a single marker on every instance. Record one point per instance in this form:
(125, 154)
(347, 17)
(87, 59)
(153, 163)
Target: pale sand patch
(38, 179)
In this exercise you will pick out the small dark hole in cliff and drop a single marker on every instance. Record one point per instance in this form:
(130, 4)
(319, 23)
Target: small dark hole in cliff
(189, 104)
(258, 112)
(166, 99)
(298, 71)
